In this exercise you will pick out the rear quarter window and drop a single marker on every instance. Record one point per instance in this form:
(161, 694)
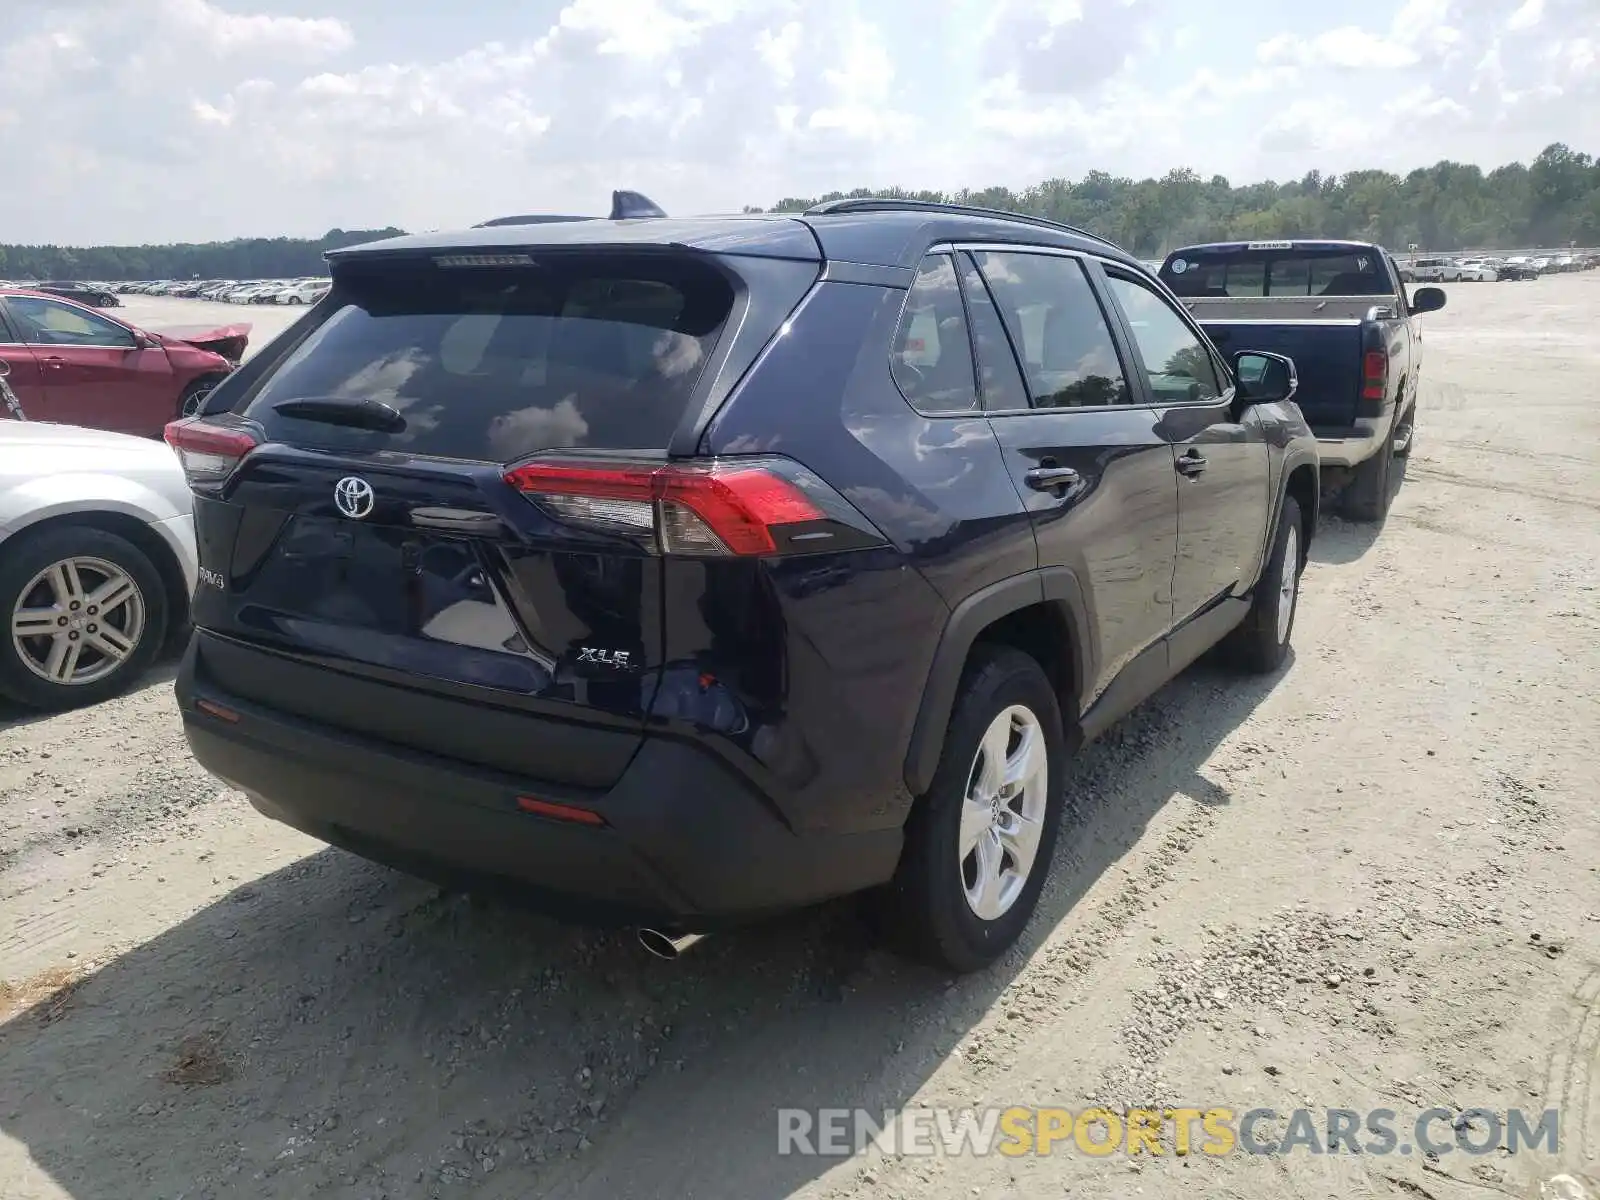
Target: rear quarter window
(931, 358)
(496, 364)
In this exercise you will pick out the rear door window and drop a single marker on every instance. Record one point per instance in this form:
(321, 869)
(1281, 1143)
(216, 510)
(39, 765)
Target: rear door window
(495, 364)
(998, 373)
(1069, 358)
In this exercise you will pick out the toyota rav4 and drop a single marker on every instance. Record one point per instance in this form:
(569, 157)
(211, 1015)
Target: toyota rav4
(678, 571)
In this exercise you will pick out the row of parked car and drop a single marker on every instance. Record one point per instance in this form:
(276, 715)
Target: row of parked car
(796, 567)
(233, 291)
(1490, 269)
(253, 291)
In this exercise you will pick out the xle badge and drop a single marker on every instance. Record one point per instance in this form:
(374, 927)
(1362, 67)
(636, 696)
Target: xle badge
(603, 658)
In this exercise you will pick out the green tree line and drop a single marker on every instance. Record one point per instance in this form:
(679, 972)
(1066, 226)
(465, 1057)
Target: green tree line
(243, 258)
(1449, 206)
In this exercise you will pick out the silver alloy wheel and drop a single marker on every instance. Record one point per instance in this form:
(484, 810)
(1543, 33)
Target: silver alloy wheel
(1288, 583)
(1002, 816)
(77, 621)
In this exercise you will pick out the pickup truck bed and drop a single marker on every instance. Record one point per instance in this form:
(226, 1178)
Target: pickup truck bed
(1339, 310)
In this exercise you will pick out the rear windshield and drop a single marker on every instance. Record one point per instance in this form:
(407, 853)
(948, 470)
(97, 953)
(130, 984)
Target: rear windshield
(497, 363)
(1292, 272)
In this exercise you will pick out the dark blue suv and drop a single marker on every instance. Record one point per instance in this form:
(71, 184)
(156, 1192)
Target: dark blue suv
(677, 571)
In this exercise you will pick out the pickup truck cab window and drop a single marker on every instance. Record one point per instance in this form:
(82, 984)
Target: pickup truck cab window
(51, 323)
(1177, 362)
(1069, 358)
(1301, 271)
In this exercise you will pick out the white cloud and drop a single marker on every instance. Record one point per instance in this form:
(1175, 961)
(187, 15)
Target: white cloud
(1421, 28)
(185, 119)
(861, 89)
(633, 28)
(223, 32)
(1527, 16)
(1314, 126)
(778, 47)
(1062, 47)
(1348, 46)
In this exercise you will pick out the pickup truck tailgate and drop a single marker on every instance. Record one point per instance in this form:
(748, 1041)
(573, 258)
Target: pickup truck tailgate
(1326, 353)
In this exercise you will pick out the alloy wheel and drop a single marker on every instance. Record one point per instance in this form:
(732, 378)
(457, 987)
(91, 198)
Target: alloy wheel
(1288, 583)
(77, 621)
(1002, 815)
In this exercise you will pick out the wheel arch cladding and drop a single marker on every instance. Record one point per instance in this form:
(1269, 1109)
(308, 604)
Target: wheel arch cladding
(1040, 614)
(1304, 485)
(130, 529)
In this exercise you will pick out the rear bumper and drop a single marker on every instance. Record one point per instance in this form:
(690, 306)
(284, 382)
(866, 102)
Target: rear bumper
(686, 841)
(1353, 446)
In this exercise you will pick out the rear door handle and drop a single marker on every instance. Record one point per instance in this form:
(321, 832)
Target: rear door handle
(1051, 479)
(1191, 463)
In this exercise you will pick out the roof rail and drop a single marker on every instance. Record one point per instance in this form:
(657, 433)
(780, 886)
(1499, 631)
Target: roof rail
(887, 204)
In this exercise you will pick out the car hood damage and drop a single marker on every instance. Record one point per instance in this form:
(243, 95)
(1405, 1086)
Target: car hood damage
(229, 341)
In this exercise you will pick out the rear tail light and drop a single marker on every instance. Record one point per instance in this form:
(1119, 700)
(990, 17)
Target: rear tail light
(1374, 375)
(208, 452)
(722, 507)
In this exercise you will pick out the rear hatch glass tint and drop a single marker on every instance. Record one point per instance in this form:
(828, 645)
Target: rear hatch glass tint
(1299, 271)
(493, 364)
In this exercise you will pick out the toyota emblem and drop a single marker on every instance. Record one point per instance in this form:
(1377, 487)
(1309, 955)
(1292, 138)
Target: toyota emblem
(354, 497)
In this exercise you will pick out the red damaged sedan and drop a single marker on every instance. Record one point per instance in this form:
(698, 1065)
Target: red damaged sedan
(73, 365)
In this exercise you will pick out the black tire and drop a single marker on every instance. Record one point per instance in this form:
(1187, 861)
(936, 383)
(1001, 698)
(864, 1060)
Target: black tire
(924, 909)
(1366, 496)
(1256, 645)
(22, 559)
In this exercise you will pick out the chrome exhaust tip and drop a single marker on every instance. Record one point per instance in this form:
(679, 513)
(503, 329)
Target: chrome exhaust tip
(667, 945)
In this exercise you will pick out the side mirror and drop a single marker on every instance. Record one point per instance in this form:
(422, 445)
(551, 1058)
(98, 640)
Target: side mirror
(1426, 300)
(143, 341)
(1265, 378)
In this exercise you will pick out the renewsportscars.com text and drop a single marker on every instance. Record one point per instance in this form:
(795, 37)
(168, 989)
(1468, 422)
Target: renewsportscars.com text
(1217, 1131)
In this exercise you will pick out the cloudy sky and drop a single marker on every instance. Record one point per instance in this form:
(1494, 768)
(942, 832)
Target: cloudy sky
(162, 120)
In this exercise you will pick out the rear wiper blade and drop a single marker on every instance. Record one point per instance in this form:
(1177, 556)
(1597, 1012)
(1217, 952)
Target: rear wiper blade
(334, 410)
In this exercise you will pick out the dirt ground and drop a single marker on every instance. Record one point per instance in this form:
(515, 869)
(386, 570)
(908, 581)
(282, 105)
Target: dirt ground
(1369, 882)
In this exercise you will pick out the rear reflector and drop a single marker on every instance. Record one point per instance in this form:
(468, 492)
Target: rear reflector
(693, 508)
(217, 711)
(561, 812)
(1374, 375)
(208, 452)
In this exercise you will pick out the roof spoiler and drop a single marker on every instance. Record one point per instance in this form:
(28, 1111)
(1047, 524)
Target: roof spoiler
(625, 206)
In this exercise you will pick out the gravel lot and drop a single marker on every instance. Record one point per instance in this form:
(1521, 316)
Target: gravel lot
(1369, 882)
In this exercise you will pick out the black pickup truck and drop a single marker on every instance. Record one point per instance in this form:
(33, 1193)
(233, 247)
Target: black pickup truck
(1341, 312)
